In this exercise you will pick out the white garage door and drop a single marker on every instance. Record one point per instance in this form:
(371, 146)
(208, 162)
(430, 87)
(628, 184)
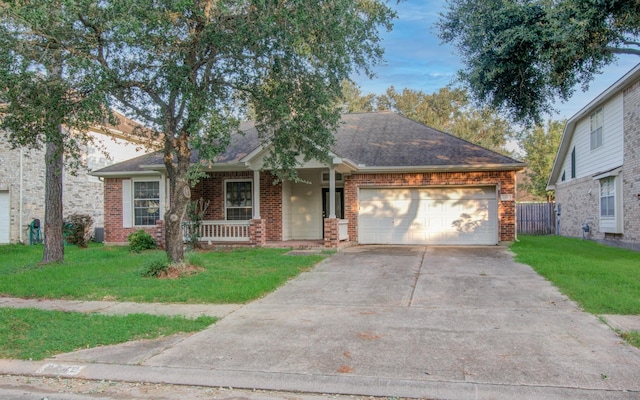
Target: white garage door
(4, 217)
(465, 215)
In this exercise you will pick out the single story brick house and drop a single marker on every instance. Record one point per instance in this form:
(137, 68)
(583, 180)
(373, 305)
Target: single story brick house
(391, 180)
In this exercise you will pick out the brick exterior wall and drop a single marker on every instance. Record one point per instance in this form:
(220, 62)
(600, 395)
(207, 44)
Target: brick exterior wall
(114, 232)
(631, 166)
(504, 180)
(212, 188)
(331, 233)
(270, 229)
(579, 201)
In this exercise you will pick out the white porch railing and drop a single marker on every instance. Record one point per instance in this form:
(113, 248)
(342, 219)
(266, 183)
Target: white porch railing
(343, 229)
(220, 231)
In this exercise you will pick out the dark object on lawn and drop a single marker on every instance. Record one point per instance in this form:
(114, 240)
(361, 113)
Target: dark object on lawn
(35, 234)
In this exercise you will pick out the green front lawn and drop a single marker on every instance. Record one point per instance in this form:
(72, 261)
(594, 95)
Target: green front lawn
(602, 279)
(36, 334)
(113, 273)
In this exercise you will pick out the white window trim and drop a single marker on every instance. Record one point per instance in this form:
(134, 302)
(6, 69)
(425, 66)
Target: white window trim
(615, 223)
(128, 212)
(594, 145)
(225, 196)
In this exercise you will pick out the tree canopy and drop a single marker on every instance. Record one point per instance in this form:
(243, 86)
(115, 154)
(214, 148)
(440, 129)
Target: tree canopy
(449, 110)
(540, 144)
(520, 56)
(49, 99)
(187, 69)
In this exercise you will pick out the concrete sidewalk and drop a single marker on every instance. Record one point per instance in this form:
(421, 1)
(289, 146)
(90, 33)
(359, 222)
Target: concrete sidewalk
(120, 308)
(445, 323)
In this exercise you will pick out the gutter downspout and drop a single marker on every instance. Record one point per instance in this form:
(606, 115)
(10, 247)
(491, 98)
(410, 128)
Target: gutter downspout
(20, 205)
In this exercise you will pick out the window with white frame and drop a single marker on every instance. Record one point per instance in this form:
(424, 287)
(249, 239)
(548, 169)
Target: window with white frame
(238, 200)
(607, 197)
(597, 121)
(326, 177)
(146, 203)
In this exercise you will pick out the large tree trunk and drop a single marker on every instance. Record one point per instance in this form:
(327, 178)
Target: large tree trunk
(173, 220)
(177, 159)
(53, 240)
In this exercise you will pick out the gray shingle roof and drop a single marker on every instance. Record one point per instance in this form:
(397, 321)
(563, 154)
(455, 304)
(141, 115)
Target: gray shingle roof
(381, 139)
(386, 139)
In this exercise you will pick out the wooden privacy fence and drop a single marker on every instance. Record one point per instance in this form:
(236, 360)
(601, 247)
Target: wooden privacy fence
(536, 218)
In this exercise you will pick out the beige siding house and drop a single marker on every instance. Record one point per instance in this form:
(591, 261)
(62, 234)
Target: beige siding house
(596, 173)
(22, 180)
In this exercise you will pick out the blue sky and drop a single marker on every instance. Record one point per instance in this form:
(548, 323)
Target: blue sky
(415, 59)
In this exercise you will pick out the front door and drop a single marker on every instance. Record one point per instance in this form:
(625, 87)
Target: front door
(339, 203)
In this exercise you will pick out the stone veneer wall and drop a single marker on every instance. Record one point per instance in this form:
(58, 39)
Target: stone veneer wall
(504, 180)
(32, 187)
(579, 201)
(82, 193)
(631, 166)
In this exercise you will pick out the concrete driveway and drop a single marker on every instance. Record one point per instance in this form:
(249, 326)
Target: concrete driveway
(429, 322)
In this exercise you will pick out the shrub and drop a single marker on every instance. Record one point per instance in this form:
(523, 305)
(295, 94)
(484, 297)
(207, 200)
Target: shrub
(78, 229)
(155, 267)
(195, 212)
(140, 240)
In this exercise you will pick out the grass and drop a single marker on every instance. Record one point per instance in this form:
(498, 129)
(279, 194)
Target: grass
(114, 273)
(37, 334)
(602, 279)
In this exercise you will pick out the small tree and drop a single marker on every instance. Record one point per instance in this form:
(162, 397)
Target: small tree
(540, 144)
(196, 211)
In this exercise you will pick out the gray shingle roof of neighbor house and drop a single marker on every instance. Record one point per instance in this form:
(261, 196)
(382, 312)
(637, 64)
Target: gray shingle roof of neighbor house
(369, 140)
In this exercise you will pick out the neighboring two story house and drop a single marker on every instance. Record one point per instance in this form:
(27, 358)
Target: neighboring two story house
(596, 173)
(22, 180)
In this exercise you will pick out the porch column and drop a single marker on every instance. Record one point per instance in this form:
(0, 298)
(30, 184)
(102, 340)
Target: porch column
(332, 192)
(256, 194)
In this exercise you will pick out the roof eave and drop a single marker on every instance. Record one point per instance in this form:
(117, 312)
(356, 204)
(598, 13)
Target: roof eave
(124, 174)
(442, 168)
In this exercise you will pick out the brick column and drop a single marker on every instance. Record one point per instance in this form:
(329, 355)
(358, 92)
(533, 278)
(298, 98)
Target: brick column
(331, 233)
(258, 232)
(158, 233)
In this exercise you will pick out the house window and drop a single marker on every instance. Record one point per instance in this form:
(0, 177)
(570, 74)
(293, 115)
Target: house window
(607, 197)
(146, 203)
(326, 176)
(238, 200)
(597, 121)
(573, 163)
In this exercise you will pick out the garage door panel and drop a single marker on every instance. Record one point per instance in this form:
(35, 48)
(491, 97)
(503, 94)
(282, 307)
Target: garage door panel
(428, 216)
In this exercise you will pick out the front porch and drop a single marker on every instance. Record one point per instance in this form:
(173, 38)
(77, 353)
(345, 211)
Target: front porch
(253, 232)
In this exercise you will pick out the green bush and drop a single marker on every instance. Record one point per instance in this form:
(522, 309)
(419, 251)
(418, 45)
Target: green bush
(155, 266)
(77, 229)
(140, 240)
